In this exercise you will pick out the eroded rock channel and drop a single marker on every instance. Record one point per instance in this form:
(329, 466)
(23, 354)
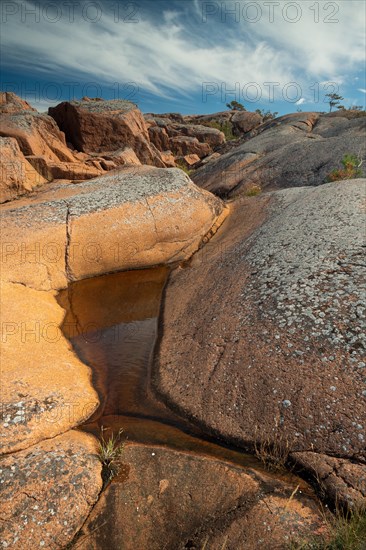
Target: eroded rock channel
(176, 487)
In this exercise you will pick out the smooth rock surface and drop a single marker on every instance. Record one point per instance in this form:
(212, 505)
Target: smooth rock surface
(137, 217)
(47, 491)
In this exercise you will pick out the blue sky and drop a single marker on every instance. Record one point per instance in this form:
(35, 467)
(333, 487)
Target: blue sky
(188, 56)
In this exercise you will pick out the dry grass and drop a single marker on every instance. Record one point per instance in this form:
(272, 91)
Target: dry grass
(273, 451)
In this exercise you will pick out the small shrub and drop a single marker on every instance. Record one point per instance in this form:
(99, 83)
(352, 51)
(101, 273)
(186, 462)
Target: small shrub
(267, 115)
(225, 127)
(180, 164)
(351, 169)
(253, 191)
(110, 451)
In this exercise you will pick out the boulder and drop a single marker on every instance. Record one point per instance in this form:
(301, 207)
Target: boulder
(11, 103)
(300, 149)
(42, 144)
(49, 170)
(183, 138)
(99, 126)
(17, 174)
(264, 334)
(184, 145)
(159, 137)
(220, 118)
(47, 492)
(168, 159)
(240, 121)
(245, 121)
(168, 499)
(164, 119)
(123, 157)
(189, 160)
(36, 135)
(203, 134)
(137, 217)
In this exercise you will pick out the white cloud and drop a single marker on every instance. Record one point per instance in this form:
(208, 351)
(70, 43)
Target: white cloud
(301, 101)
(173, 57)
(319, 48)
(362, 90)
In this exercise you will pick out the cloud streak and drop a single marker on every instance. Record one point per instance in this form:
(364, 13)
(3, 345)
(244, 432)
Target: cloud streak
(173, 52)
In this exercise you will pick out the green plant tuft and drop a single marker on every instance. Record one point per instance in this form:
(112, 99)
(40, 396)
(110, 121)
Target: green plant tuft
(180, 164)
(267, 115)
(225, 127)
(351, 169)
(235, 106)
(110, 451)
(253, 191)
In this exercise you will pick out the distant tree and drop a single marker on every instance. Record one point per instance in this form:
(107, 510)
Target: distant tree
(235, 106)
(356, 108)
(267, 115)
(341, 108)
(334, 100)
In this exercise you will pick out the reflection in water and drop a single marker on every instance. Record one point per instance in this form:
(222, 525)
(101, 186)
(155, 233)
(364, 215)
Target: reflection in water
(120, 357)
(112, 323)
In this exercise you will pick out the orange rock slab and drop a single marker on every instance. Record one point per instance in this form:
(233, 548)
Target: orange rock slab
(45, 388)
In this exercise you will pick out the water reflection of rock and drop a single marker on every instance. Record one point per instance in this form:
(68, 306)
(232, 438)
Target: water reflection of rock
(112, 322)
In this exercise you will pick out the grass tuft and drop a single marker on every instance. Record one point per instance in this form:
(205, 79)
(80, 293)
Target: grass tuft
(181, 164)
(253, 191)
(110, 451)
(225, 127)
(346, 531)
(272, 451)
